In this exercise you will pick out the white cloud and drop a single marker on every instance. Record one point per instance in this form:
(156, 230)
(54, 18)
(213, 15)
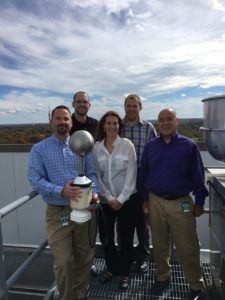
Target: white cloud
(112, 6)
(110, 47)
(190, 107)
(218, 5)
(33, 106)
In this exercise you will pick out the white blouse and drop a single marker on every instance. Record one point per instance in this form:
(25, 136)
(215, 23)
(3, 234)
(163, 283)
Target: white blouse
(117, 172)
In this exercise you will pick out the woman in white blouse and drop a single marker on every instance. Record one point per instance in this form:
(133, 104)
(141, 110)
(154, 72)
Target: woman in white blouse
(117, 170)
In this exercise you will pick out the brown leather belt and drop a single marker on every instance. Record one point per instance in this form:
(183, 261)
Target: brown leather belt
(171, 197)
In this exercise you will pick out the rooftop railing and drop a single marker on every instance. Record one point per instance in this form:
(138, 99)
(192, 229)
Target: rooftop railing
(5, 283)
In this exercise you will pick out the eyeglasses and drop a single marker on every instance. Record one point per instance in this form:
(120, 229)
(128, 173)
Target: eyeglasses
(82, 102)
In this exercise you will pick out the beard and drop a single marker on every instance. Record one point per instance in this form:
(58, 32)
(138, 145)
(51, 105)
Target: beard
(132, 116)
(62, 129)
(82, 112)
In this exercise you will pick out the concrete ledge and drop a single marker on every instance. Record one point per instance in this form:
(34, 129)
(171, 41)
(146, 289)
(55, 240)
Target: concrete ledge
(27, 147)
(15, 147)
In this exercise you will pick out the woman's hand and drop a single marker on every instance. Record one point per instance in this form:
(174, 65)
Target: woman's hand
(145, 207)
(198, 210)
(94, 202)
(115, 204)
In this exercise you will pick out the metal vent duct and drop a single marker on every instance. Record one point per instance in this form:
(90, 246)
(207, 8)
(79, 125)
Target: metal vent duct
(214, 126)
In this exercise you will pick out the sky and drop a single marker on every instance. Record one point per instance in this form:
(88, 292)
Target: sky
(171, 53)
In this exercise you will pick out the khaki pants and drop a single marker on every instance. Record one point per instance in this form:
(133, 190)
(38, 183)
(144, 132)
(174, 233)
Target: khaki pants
(168, 222)
(72, 254)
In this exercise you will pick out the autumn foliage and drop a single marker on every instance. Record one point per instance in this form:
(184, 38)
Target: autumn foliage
(24, 134)
(33, 133)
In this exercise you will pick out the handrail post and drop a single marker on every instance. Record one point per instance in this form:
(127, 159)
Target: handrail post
(3, 285)
(3, 212)
(19, 272)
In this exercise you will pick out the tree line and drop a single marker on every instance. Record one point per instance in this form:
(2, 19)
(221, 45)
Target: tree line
(33, 133)
(24, 134)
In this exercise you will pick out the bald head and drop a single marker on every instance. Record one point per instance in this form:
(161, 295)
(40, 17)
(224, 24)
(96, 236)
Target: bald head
(167, 123)
(167, 111)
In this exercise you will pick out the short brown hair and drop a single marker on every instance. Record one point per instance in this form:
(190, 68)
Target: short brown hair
(80, 92)
(133, 97)
(59, 107)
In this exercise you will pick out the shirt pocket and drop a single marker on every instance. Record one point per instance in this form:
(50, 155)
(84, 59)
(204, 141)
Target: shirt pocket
(101, 161)
(121, 162)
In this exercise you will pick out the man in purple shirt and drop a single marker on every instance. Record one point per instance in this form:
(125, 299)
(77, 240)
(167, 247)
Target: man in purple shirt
(171, 169)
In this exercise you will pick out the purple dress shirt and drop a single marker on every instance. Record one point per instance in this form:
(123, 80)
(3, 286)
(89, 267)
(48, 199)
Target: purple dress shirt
(173, 169)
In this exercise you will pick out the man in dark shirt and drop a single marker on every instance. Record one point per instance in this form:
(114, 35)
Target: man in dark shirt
(171, 169)
(80, 119)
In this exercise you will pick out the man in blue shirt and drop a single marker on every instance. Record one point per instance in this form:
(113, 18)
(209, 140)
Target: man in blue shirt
(171, 168)
(52, 168)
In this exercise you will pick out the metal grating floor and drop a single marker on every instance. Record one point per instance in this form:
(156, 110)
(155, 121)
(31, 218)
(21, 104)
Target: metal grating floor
(140, 287)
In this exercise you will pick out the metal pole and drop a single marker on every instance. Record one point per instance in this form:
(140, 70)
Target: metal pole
(81, 165)
(3, 285)
(50, 292)
(18, 273)
(3, 212)
(17, 203)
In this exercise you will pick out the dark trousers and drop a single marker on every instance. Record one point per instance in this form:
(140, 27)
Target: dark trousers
(142, 229)
(118, 263)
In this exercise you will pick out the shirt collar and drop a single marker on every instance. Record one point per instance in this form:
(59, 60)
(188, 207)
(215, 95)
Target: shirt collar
(139, 122)
(115, 143)
(75, 119)
(117, 140)
(173, 138)
(59, 142)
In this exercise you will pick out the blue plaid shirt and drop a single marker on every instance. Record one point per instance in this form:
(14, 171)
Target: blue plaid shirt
(51, 165)
(139, 134)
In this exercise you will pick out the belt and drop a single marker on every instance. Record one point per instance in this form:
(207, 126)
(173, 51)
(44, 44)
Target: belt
(171, 197)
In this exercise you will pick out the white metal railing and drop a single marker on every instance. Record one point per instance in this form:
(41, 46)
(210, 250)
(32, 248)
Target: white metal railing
(5, 283)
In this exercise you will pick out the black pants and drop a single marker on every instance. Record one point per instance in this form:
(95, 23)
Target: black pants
(118, 263)
(140, 224)
(142, 229)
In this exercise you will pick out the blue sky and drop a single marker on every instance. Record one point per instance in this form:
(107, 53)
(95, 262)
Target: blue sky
(171, 53)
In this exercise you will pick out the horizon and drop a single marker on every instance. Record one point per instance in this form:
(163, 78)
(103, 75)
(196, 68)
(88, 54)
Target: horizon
(169, 53)
(47, 123)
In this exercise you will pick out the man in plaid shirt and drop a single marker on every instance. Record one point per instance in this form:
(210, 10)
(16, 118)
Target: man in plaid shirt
(139, 132)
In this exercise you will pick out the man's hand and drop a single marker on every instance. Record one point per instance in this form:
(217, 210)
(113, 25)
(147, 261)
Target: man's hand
(94, 201)
(198, 210)
(70, 191)
(115, 204)
(145, 207)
